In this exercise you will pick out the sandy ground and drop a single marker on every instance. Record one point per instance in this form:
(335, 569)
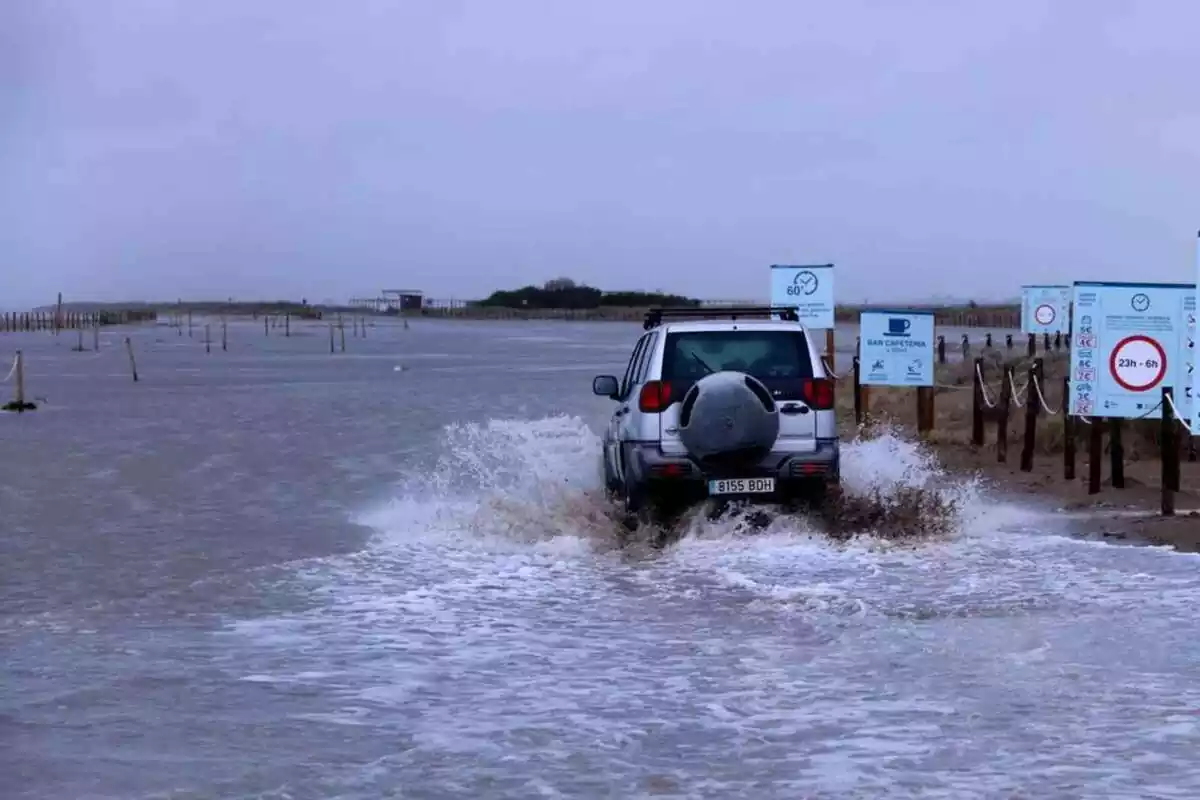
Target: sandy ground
(1131, 513)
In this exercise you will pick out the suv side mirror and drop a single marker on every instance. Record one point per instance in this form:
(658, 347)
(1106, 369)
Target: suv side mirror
(605, 386)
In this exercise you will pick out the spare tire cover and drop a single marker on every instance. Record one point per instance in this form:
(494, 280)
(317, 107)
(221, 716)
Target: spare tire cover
(722, 415)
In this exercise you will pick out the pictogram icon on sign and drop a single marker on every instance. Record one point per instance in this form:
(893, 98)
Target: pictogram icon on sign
(1138, 363)
(805, 283)
(1044, 314)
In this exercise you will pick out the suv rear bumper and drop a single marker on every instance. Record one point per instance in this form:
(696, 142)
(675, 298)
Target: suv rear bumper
(684, 480)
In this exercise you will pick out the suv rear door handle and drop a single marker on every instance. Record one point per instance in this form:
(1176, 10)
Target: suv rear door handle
(793, 408)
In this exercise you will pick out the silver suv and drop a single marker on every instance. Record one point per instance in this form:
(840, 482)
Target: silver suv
(722, 404)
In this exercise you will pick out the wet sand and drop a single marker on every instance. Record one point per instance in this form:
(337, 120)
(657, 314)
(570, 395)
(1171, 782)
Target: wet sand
(1131, 513)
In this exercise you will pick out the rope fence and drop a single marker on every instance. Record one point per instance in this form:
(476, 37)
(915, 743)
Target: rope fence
(993, 405)
(1170, 400)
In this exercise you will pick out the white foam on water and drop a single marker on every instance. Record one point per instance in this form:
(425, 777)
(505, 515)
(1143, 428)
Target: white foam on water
(495, 626)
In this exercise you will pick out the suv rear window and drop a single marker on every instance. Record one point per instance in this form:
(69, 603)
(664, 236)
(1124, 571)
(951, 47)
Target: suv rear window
(780, 355)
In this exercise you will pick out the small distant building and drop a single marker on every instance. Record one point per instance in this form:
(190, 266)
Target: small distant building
(403, 300)
(392, 301)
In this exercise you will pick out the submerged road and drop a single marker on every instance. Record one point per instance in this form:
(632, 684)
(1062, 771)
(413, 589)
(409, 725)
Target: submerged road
(280, 573)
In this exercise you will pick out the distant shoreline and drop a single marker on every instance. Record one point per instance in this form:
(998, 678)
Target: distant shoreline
(996, 316)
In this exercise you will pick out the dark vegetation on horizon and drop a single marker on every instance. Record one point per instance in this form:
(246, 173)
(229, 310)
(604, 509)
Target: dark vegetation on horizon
(564, 293)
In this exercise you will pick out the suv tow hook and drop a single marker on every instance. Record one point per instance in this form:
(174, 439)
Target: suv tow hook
(793, 408)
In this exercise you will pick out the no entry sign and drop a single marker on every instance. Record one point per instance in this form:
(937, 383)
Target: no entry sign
(1128, 342)
(1045, 309)
(1138, 363)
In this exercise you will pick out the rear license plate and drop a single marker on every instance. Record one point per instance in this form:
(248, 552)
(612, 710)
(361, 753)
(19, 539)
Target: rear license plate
(742, 486)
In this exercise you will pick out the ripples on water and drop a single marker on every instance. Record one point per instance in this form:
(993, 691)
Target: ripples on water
(500, 644)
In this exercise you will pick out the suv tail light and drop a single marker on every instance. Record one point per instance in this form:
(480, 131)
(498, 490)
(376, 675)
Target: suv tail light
(818, 393)
(655, 397)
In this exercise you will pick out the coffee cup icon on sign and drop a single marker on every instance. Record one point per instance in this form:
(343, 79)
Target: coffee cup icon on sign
(898, 326)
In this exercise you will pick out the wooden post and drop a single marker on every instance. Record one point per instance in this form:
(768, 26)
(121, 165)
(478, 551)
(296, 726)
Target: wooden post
(20, 382)
(1032, 345)
(925, 414)
(287, 325)
(342, 329)
(1170, 443)
(1033, 407)
(1046, 343)
(1095, 454)
(977, 409)
(858, 389)
(966, 346)
(941, 344)
(1008, 342)
(830, 349)
(132, 362)
(58, 315)
(224, 336)
(189, 323)
(1169, 456)
(1006, 392)
(1116, 451)
(987, 341)
(96, 334)
(331, 338)
(79, 347)
(364, 327)
(207, 339)
(266, 326)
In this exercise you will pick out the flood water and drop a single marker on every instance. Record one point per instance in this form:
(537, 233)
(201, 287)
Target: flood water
(274, 572)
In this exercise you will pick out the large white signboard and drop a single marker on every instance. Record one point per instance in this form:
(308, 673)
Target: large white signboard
(1129, 341)
(808, 289)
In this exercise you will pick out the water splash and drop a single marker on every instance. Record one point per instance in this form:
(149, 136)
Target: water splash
(533, 481)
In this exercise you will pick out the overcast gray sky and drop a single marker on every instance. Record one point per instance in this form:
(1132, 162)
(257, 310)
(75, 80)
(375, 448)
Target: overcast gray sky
(206, 148)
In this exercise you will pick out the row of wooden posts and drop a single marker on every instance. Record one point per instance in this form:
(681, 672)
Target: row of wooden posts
(1001, 414)
(1055, 343)
(15, 322)
(21, 403)
(358, 327)
(1169, 436)
(926, 412)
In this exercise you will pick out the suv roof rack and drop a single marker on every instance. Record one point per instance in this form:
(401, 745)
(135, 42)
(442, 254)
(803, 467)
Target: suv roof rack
(655, 316)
